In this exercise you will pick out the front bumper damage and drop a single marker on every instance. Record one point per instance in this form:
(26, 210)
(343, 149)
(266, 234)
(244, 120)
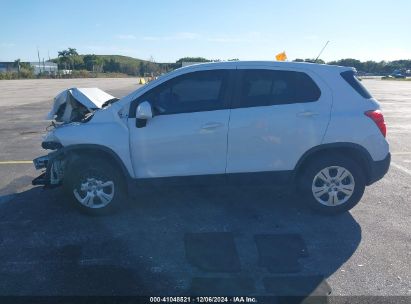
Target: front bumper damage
(53, 166)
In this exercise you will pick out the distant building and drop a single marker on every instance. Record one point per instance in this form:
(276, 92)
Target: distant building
(8, 67)
(44, 67)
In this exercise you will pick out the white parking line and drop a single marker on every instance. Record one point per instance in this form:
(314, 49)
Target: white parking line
(403, 169)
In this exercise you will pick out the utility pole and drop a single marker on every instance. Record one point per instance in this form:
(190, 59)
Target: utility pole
(48, 54)
(38, 55)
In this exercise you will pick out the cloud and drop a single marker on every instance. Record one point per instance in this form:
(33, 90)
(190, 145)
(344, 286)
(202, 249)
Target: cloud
(244, 38)
(126, 37)
(6, 45)
(104, 49)
(311, 37)
(176, 36)
(248, 37)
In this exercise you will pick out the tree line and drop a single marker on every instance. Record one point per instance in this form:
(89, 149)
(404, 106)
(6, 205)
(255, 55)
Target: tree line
(92, 65)
(70, 59)
(369, 66)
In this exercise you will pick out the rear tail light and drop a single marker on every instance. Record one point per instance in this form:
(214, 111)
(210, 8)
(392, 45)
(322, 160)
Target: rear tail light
(378, 118)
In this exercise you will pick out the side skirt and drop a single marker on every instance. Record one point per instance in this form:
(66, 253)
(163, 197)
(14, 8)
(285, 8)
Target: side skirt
(275, 178)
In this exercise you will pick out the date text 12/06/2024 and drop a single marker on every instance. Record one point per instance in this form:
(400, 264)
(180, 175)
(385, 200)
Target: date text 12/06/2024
(238, 299)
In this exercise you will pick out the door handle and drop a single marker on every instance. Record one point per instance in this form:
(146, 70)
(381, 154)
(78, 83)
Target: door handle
(307, 114)
(211, 126)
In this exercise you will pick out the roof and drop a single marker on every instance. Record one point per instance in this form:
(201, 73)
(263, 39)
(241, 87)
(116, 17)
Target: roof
(314, 67)
(280, 64)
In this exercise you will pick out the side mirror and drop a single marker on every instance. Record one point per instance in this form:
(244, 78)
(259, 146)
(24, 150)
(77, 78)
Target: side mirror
(144, 112)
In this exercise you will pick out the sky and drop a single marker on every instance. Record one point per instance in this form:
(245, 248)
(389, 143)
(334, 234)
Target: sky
(168, 30)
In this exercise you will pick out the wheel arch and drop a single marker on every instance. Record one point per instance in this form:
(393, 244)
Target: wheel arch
(74, 152)
(354, 151)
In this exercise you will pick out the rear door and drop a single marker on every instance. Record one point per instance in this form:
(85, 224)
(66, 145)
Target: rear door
(276, 116)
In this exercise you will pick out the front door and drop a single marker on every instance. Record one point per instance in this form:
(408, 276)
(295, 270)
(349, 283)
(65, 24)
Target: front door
(188, 133)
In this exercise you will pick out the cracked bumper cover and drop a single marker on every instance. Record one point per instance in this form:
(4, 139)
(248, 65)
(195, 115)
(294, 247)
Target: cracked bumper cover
(45, 162)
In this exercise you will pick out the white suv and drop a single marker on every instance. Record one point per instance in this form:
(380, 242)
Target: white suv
(229, 122)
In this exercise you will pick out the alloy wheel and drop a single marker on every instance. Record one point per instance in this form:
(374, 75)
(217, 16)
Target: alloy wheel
(95, 193)
(333, 186)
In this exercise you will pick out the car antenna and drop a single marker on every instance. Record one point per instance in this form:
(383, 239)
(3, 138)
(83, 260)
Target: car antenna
(322, 50)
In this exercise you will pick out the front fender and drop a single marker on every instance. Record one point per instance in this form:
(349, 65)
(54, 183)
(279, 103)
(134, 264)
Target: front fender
(107, 137)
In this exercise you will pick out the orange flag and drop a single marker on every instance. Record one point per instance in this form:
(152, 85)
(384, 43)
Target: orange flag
(281, 57)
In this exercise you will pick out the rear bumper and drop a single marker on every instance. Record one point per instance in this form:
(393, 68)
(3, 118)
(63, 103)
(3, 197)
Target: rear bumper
(378, 169)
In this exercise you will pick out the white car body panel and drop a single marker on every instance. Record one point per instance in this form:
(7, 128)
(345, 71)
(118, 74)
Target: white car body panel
(180, 144)
(273, 138)
(106, 129)
(255, 139)
(349, 124)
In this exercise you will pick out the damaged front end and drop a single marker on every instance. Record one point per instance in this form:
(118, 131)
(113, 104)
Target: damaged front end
(78, 104)
(72, 106)
(53, 165)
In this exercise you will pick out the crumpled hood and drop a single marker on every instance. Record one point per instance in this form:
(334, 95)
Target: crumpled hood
(73, 104)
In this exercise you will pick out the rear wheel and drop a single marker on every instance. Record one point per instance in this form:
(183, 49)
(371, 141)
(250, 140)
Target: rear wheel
(332, 185)
(94, 185)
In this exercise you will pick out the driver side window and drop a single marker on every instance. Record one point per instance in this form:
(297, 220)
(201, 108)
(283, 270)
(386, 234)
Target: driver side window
(192, 92)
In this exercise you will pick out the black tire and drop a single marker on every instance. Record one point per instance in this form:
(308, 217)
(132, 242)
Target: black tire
(99, 172)
(314, 167)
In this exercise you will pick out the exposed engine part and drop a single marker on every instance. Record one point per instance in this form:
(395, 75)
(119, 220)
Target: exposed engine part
(71, 111)
(78, 104)
(51, 145)
(57, 172)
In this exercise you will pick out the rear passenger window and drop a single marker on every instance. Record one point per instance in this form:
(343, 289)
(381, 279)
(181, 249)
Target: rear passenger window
(274, 87)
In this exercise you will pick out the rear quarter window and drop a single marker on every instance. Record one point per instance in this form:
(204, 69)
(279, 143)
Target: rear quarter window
(352, 80)
(276, 87)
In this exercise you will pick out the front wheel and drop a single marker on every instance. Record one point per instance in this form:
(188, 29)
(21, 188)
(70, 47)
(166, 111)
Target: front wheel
(332, 185)
(94, 185)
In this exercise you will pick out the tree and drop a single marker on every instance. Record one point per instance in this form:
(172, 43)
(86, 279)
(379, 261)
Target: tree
(17, 63)
(70, 58)
(93, 63)
(63, 57)
(72, 52)
(111, 66)
(192, 59)
(349, 62)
